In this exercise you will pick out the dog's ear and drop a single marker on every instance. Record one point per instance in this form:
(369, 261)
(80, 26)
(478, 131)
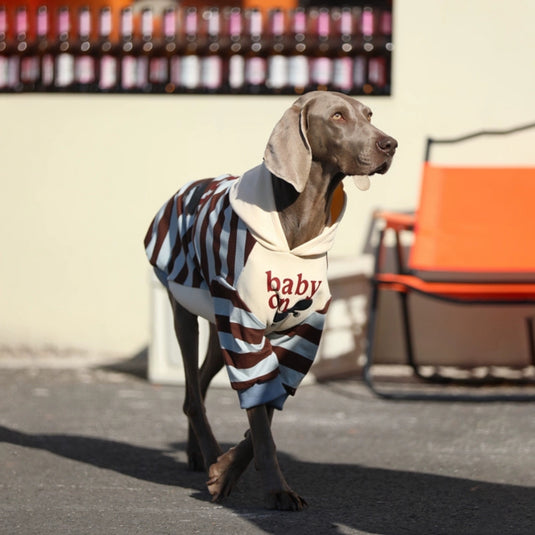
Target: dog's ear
(288, 154)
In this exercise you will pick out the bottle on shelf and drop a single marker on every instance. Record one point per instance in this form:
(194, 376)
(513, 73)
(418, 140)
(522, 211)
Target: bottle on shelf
(194, 50)
(255, 54)
(277, 53)
(360, 74)
(63, 53)
(233, 52)
(385, 30)
(367, 28)
(144, 51)
(210, 53)
(377, 75)
(377, 63)
(298, 61)
(106, 54)
(25, 62)
(127, 60)
(190, 62)
(342, 78)
(321, 70)
(44, 51)
(164, 69)
(7, 50)
(381, 65)
(84, 54)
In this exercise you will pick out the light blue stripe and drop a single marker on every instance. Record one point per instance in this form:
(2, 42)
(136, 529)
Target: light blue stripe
(265, 366)
(291, 377)
(224, 183)
(236, 315)
(230, 343)
(241, 233)
(271, 393)
(316, 320)
(164, 255)
(208, 244)
(177, 266)
(297, 344)
(150, 247)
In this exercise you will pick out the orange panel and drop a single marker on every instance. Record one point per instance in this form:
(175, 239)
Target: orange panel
(476, 220)
(266, 5)
(509, 292)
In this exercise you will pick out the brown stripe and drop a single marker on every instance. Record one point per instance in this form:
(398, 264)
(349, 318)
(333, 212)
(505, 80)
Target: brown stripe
(207, 236)
(247, 334)
(218, 290)
(292, 360)
(243, 361)
(243, 385)
(231, 255)
(206, 248)
(305, 331)
(148, 235)
(179, 249)
(249, 244)
(197, 279)
(161, 231)
(326, 307)
(290, 389)
(218, 228)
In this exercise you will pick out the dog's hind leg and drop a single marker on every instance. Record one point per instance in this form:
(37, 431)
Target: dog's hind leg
(212, 363)
(187, 333)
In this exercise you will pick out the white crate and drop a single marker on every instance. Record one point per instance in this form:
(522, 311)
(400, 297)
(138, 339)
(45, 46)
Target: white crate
(165, 358)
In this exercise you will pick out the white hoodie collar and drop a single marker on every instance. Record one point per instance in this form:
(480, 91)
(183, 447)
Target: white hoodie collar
(251, 197)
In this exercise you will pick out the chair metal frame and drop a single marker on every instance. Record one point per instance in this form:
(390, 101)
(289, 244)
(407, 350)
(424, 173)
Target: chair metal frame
(403, 282)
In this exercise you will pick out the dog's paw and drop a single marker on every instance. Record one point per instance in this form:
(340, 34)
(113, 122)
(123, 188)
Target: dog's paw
(218, 485)
(224, 474)
(286, 500)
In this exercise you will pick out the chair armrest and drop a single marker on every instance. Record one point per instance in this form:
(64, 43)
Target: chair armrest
(396, 220)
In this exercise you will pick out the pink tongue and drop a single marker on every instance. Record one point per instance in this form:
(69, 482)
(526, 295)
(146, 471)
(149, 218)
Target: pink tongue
(362, 182)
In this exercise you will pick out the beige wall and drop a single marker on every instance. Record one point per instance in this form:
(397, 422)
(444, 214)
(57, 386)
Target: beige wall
(82, 176)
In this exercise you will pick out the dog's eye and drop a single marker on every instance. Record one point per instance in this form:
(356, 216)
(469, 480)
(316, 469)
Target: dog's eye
(338, 116)
(370, 117)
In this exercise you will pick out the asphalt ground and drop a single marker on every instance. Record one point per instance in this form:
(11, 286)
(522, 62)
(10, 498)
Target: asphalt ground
(94, 451)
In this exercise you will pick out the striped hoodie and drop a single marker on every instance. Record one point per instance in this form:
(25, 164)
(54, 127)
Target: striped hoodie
(219, 247)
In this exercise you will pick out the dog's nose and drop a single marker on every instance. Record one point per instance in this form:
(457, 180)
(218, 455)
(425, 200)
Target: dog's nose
(387, 144)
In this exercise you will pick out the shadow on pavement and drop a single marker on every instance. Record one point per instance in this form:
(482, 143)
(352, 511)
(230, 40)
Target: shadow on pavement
(342, 497)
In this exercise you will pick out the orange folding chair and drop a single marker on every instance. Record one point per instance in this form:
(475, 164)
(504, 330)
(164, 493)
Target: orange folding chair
(474, 243)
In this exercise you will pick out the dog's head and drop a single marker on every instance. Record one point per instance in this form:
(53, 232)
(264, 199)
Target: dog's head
(330, 128)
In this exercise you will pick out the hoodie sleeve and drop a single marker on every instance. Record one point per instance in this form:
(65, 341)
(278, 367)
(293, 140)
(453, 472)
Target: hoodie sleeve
(263, 369)
(250, 359)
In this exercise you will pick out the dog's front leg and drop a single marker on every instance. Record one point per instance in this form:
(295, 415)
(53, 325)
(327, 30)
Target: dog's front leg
(277, 493)
(224, 474)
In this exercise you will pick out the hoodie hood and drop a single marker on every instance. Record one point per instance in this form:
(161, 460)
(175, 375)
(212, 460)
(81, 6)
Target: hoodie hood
(251, 197)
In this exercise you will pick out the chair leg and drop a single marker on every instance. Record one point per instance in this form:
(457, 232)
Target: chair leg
(413, 395)
(409, 344)
(531, 338)
(370, 340)
(407, 333)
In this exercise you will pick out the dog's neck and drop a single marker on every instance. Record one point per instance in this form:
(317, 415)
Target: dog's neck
(304, 215)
